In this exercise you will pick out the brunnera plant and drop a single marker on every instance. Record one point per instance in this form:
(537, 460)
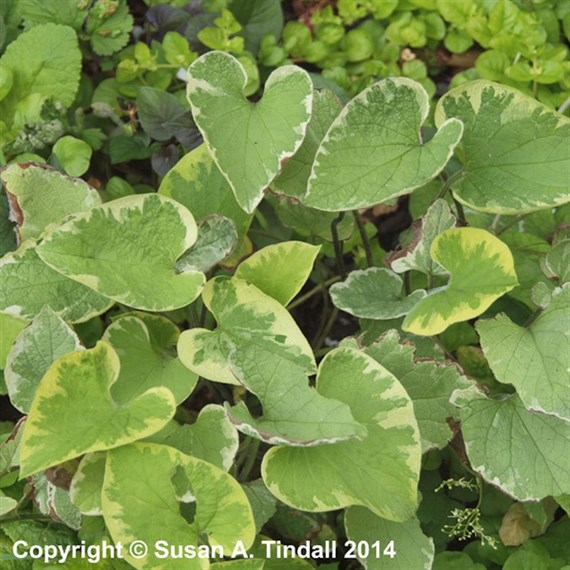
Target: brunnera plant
(112, 312)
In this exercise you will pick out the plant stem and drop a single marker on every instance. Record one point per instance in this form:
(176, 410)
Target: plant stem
(407, 282)
(460, 211)
(564, 105)
(26, 517)
(364, 238)
(338, 244)
(300, 300)
(447, 184)
(326, 329)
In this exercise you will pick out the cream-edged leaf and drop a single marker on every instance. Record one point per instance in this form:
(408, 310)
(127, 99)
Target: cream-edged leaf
(373, 152)
(481, 268)
(514, 149)
(279, 270)
(73, 412)
(146, 488)
(248, 141)
(127, 250)
(380, 472)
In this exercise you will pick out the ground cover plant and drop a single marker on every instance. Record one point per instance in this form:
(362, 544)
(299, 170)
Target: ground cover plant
(284, 274)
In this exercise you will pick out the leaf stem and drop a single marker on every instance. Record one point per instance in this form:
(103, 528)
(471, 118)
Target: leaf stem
(323, 284)
(460, 211)
(512, 223)
(449, 181)
(564, 105)
(338, 244)
(364, 238)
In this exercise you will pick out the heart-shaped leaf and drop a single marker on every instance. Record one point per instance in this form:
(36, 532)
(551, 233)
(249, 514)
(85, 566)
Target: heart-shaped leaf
(168, 480)
(127, 250)
(27, 285)
(212, 437)
(372, 152)
(535, 359)
(293, 413)
(73, 412)
(249, 142)
(279, 270)
(380, 472)
(523, 453)
(40, 196)
(37, 347)
(145, 345)
(245, 316)
(514, 150)
(374, 293)
(482, 270)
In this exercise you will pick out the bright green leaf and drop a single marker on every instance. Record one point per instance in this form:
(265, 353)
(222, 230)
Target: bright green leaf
(73, 154)
(217, 238)
(372, 152)
(294, 177)
(37, 347)
(416, 256)
(167, 479)
(249, 142)
(27, 284)
(145, 361)
(535, 359)
(293, 413)
(245, 316)
(52, 67)
(413, 549)
(279, 270)
(109, 26)
(127, 250)
(481, 269)
(7, 504)
(380, 472)
(43, 196)
(73, 412)
(374, 293)
(523, 453)
(514, 149)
